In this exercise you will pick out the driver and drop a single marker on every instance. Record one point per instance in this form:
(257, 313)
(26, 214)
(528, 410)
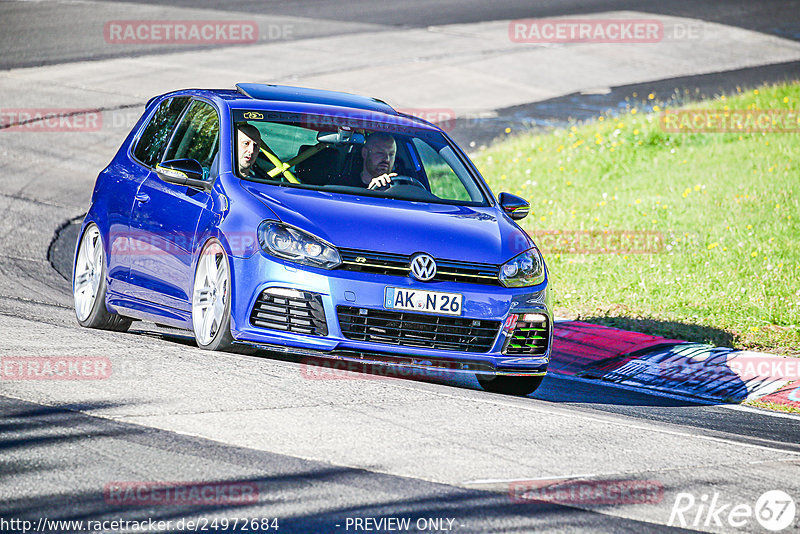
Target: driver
(378, 154)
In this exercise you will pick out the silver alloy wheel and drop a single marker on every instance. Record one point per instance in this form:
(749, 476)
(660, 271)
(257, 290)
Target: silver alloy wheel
(211, 293)
(88, 270)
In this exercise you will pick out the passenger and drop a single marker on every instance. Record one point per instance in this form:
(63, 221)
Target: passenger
(248, 143)
(378, 154)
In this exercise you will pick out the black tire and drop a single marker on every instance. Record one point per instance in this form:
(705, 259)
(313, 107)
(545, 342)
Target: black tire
(510, 385)
(99, 317)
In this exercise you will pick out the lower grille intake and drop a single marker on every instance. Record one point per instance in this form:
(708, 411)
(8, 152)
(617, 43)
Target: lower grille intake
(531, 335)
(417, 329)
(290, 310)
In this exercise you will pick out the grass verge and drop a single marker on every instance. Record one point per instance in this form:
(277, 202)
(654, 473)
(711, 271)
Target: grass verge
(773, 406)
(665, 229)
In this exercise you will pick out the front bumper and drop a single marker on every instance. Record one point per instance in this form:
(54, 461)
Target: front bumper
(342, 288)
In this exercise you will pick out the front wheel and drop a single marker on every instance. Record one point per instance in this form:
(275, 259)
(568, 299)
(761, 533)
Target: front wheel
(89, 285)
(211, 299)
(510, 385)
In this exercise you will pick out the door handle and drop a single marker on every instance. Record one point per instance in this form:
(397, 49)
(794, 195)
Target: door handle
(141, 198)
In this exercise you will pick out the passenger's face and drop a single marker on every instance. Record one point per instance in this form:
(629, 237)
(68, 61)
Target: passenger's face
(379, 157)
(247, 152)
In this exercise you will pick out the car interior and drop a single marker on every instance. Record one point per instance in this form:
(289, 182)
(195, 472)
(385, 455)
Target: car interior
(321, 164)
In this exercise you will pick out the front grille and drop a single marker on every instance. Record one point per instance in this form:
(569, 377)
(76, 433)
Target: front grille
(290, 310)
(417, 330)
(398, 265)
(374, 262)
(530, 337)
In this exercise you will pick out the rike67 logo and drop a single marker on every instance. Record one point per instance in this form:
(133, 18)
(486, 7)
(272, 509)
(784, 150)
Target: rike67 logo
(774, 510)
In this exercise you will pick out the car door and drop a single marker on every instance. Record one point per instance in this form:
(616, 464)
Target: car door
(165, 216)
(126, 178)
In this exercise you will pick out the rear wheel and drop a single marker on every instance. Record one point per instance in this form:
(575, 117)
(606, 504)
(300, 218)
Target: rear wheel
(89, 285)
(510, 385)
(211, 299)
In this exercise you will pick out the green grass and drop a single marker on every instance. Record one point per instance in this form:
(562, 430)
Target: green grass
(728, 272)
(445, 184)
(773, 406)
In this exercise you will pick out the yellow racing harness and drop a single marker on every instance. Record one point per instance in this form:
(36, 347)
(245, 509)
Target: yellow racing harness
(283, 167)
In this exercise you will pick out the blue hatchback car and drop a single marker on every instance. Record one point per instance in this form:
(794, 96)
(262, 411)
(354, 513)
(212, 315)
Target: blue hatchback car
(317, 223)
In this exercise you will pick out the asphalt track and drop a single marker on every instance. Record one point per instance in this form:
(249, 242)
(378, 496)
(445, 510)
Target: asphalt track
(42, 33)
(322, 450)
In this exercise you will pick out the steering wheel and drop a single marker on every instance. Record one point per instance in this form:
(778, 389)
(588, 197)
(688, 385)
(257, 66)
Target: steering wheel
(402, 179)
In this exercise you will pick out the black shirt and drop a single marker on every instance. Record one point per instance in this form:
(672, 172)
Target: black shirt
(351, 180)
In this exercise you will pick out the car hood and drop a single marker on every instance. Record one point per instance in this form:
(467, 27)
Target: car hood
(474, 234)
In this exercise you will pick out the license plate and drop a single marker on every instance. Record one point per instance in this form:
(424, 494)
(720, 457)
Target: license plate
(397, 298)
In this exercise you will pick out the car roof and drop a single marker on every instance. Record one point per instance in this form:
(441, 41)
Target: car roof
(285, 93)
(304, 100)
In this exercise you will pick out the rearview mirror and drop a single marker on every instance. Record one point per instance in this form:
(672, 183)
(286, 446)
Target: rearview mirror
(345, 136)
(183, 172)
(515, 207)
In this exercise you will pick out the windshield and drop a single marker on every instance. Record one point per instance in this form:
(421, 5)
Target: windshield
(351, 156)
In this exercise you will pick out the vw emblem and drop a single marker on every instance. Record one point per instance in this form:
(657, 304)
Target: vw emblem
(423, 267)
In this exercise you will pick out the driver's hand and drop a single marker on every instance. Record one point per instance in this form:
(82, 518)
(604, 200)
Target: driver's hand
(381, 181)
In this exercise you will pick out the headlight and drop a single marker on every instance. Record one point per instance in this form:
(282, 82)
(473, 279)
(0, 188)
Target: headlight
(524, 270)
(296, 245)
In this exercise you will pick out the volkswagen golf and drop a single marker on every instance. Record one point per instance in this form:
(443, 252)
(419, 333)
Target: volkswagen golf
(317, 223)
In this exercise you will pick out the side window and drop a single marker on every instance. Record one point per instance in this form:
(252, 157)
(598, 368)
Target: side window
(197, 136)
(151, 144)
(443, 180)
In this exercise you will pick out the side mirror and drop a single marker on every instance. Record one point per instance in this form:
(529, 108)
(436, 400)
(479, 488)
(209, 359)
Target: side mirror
(515, 207)
(183, 172)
